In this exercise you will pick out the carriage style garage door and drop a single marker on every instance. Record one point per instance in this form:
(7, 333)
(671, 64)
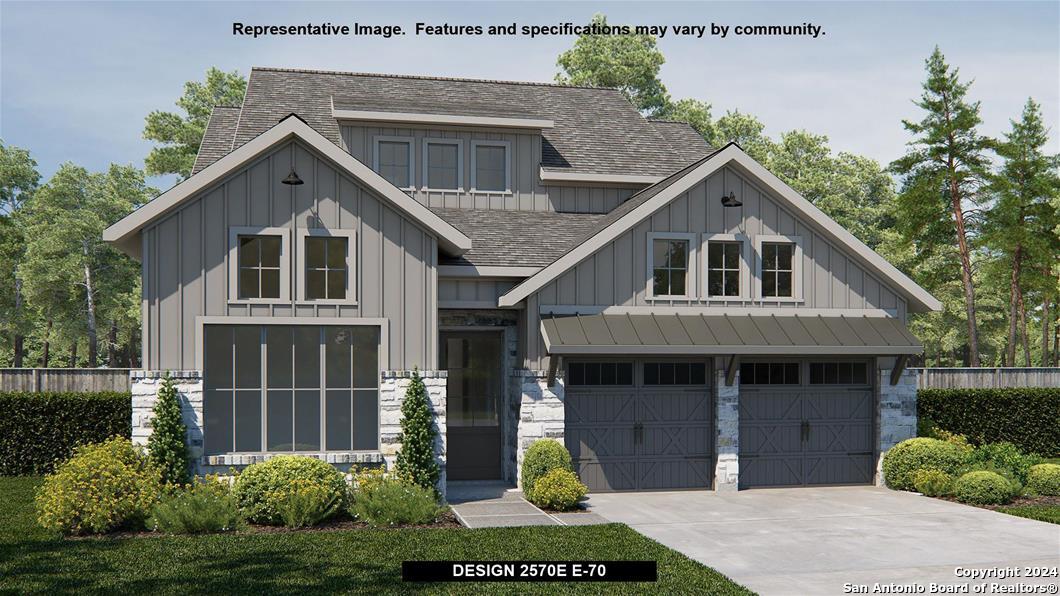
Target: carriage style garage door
(806, 423)
(640, 425)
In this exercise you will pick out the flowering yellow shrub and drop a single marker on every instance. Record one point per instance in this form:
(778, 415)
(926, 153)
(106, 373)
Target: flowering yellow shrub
(103, 487)
(559, 489)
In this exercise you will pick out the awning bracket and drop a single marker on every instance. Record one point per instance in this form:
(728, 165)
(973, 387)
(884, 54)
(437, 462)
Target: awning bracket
(553, 368)
(899, 366)
(730, 370)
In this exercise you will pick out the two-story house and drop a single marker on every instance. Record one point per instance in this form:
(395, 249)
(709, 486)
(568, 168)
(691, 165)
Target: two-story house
(554, 264)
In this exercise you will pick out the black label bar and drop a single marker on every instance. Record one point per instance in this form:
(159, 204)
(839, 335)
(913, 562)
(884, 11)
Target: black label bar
(529, 571)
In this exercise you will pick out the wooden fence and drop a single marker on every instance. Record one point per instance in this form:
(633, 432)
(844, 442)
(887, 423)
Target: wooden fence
(64, 379)
(960, 378)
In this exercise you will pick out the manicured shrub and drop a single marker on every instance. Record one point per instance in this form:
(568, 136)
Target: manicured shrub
(416, 460)
(40, 430)
(543, 456)
(305, 503)
(204, 506)
(1044, 479)
(933, 483)
(259, 488)
(1025, 417)
(392, 501)
(903, 460)
(1006, 456)
(103, 487)
(559, 490)
(982, 488)
(166, 445)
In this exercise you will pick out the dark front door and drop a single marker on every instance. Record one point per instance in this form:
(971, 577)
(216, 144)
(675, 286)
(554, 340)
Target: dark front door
(473, 359)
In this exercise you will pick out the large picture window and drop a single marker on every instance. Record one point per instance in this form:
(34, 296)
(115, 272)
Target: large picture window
(290, 388)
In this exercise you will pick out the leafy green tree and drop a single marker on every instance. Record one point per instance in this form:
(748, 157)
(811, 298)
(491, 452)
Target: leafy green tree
(746, 131)
(167, 446)
(694, 112)
(942, 174)
(1020, 223)
(416, 459)
(66, 256)
(18, 180)
(180, 135)
(629, 63)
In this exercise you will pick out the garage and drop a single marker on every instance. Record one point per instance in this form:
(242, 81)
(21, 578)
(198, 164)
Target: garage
(806, 422)
(637, 425)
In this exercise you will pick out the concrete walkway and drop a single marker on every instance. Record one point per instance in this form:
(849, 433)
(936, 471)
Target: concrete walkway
(816, 540)
(496, 504)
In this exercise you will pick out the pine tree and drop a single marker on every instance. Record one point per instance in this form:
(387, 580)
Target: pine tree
(166, 445)
(415, 460)
(943, 174)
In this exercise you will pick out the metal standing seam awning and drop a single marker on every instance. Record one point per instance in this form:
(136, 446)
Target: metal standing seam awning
(694, 334)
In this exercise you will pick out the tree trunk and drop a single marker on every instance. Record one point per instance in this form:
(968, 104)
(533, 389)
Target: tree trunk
(90, 303)
(72, 363)
(1056, 344)
(966, 269)
(1045, 331)
(112, 345)
(1013, 293)
(46, 356)
(20, 339)
(1023, 332)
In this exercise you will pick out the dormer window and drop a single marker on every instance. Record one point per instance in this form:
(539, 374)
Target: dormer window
(490, 166)
(393, 160)
(443, 164)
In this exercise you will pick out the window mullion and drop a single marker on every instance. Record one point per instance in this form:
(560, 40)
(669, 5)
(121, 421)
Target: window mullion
(263, 347)
(321, 343)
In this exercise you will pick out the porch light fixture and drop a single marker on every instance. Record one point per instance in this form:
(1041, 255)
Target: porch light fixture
(293, 179)
(730, 200)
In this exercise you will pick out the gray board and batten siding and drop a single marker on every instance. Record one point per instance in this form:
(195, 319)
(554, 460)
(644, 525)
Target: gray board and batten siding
(617, 273)
(185, 262)
(527, 192)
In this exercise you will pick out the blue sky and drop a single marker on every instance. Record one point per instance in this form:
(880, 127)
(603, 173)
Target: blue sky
(77, 79)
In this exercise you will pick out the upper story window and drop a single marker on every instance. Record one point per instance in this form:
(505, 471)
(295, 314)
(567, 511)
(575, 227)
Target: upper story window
(325, 268)
(778, 257)
(259, 266)
(326, 265)
(490, 166)
(669, 263)
(393, 160)
(443, 164)
(726, 266)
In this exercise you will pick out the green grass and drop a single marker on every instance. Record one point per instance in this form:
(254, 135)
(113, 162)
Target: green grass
(1045, 513)
(366, 561)
(1051, 460)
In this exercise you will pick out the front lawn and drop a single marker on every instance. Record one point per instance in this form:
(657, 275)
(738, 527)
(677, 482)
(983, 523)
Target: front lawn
(314, 561)
(1045, 513)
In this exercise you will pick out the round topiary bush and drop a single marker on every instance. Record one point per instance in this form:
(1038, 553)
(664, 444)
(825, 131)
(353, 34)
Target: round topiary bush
(1044, 479)
(903, 460)
(543, 456)
(982, 488)
(932, 483)
(102, 487)
(261, 490)
(559, 490)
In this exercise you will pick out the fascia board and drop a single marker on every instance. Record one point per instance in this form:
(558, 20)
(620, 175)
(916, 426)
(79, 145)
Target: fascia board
(553, 176)
(443, 119)
(449, 237)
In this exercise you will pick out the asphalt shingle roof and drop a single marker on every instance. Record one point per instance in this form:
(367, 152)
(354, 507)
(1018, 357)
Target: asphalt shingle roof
(686, 143)
(516, 238)
(597, 131)
(217, 139)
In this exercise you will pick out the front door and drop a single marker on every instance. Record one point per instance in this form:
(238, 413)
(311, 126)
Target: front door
(473, 359)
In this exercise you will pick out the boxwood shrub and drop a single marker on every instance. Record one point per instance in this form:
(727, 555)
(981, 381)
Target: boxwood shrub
(38, 430)
(1044, 479)
(262, 489)
(983, 488)
(904, 460)
(1025, 417)
(543, 456)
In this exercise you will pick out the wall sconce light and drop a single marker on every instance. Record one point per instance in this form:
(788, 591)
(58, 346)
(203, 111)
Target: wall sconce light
(730, 200)
(292, 179)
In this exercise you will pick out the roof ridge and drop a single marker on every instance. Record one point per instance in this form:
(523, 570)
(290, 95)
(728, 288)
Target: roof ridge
(426, 77)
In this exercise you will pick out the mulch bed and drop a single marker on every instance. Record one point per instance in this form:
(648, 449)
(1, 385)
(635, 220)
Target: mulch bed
(445, 520)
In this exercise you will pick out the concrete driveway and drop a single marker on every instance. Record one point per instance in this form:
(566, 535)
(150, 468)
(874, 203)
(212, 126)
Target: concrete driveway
(815, 540)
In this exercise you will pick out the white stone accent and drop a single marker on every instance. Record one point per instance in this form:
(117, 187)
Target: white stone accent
(391, 395)
(727, 445)
(541, 414)
(896, 413)
(145, 386)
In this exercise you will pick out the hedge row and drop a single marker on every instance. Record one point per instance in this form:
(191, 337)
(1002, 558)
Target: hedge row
(1027, 417)
(39, 429)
